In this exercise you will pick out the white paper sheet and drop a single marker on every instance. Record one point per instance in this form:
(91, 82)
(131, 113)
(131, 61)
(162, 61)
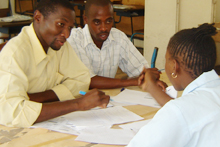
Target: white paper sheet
(106, 136)
(92, 118)
(171, 92)
(142, 98)
(101, 117)
(135, 126)
(136, 97)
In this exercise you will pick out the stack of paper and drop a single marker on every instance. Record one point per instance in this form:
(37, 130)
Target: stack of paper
(92, 122)
(95, 125)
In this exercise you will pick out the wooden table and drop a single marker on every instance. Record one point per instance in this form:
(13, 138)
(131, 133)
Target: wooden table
(39, 137)
(13, 27)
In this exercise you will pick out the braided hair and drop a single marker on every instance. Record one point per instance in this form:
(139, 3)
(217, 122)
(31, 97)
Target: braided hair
(194, 49)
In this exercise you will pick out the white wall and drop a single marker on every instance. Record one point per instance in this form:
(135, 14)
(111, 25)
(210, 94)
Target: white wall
(160, 24)
(164, 18)
(195, 12)
(3, 4)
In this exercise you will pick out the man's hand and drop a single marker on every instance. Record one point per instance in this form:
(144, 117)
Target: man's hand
(93, 99)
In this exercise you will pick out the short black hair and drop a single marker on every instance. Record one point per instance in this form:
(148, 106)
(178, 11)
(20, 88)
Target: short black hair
(195, 49)
(50, 6)
(97, 3)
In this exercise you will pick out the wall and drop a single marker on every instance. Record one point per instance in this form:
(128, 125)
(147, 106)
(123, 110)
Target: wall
(3, 4)
(164, 18)
(160, 24)
(217, 19)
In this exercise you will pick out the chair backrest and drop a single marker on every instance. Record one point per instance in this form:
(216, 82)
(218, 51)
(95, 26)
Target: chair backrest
(2, 45)
(153, 58)
(132, 36)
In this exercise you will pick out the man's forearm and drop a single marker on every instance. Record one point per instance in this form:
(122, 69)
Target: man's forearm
(92, 99)
(107, 83)
(54, 109)
(42, 97)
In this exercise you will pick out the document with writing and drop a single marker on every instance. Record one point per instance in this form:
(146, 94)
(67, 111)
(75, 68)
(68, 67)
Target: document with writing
(142, 98)
(112, 136)
(90, 118)
(135, 126)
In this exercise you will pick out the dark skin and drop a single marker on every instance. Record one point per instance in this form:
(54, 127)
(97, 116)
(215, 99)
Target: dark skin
(100, 21)
(52, 31)
(180, 82)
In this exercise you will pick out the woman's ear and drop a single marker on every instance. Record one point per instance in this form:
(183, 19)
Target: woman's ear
(176, 66)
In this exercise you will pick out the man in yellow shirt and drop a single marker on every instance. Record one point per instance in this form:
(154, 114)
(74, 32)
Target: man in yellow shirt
(40, 74)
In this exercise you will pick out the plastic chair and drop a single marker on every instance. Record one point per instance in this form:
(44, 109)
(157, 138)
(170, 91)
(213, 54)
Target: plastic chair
(132, 36)
(154, 56)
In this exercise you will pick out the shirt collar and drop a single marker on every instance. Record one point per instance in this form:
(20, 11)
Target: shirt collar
(200, 81)
(88, 39)
(39, 53)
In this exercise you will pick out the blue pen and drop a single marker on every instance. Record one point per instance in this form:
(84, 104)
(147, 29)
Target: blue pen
(82, 92)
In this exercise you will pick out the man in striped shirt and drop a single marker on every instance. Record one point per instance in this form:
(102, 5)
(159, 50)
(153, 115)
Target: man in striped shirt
(103, 49)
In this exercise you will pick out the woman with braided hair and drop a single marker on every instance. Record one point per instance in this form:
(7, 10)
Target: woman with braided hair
(194, 118)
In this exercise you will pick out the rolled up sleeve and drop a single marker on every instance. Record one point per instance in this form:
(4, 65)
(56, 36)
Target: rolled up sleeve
(76, 75)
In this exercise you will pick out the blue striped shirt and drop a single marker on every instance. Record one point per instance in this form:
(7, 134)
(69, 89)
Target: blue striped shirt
(117, 51)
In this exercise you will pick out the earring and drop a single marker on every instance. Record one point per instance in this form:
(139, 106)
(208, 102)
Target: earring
(173, 75)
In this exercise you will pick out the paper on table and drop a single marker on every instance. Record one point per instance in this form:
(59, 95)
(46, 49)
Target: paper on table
(99, 117)
(171, 91)
(107, 116)
(106, 136)
(57, 124)
(136, 97)
(139, 97)
(135, 126)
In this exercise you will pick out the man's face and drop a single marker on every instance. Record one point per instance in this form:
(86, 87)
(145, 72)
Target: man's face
(54, 29)
(100, 21)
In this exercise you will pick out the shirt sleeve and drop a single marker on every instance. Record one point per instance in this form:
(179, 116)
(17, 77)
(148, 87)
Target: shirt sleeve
(15, 108)
(132, 61)
(167, 128)
(76, 40)
(76, 75)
